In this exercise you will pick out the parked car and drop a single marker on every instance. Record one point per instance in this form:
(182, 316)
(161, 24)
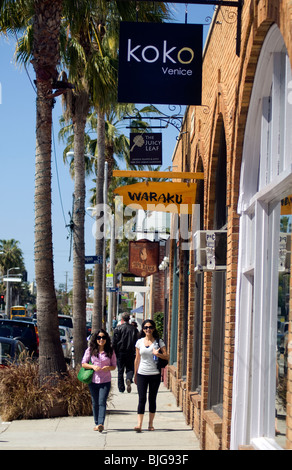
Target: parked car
(24, 331)
(66, 342)
(10, 351)
(88, 329)
(30, 319)
(66, 320)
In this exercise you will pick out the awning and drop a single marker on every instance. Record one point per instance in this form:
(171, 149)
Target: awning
(138, 309)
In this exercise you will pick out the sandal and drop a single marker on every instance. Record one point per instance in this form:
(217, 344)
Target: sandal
(151, 428)
(137, 429)
(99, 428)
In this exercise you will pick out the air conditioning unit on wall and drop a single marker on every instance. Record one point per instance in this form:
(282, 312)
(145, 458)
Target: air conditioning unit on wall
(210, 248)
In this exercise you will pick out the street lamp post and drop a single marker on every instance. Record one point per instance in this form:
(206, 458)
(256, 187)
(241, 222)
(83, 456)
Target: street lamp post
(7, 306)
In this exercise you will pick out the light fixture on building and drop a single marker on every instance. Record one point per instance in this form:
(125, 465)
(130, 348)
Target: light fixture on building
(164, 264)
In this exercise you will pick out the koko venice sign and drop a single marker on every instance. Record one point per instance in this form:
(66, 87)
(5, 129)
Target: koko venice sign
(160, 63)
(160, 196)
(146, 148)
(143, 257)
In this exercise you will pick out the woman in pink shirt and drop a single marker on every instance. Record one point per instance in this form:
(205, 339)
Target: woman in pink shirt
(100, 353)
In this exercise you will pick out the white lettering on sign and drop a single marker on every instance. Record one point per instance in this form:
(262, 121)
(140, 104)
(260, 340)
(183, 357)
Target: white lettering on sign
(156, 51)
(166, 53)
(179, 71)
(151, 53)
(130, 52)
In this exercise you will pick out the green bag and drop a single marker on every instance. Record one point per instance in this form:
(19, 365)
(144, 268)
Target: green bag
(85, 375)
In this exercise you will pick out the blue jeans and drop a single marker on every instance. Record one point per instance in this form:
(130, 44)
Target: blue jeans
(99, 394)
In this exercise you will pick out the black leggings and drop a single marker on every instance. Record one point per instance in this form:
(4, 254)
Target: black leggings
(143, 381)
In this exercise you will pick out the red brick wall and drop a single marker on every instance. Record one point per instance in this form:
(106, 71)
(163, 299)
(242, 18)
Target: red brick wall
(227, 85)
(289, 381)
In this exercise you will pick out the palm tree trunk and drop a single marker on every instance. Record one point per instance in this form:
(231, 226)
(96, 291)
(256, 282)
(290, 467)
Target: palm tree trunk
(79, 290)
(98, 314)
(45, 58)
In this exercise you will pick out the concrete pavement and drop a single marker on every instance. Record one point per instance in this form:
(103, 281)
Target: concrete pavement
(76, 433)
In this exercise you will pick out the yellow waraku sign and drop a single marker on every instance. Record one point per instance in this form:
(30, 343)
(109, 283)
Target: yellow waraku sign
(160, 196)
(286, 205)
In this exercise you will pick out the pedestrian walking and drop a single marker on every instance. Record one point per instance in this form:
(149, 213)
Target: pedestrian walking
(147, 374)
(100, 357)
(124, 341)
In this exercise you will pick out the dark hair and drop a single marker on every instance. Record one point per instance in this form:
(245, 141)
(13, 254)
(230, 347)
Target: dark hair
(155, 333)
(93, 346)
(126, 317)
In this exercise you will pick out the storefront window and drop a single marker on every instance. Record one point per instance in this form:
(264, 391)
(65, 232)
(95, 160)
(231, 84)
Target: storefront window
(261, 358)
(283, 320)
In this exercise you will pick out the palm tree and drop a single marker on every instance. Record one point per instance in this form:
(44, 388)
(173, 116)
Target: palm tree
(44, 19)
(46, 55)
(76, 108)
(44, 33)
(110, 143)
(116, 145)
(83, 52)
(76, 49)
(103, 99)
(11, 255)
(82, 42)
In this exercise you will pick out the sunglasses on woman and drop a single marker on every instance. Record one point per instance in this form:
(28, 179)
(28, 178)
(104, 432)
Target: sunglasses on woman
(101, 337)
(148, 328)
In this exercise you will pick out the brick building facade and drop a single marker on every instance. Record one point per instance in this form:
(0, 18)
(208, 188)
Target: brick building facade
(222, 324)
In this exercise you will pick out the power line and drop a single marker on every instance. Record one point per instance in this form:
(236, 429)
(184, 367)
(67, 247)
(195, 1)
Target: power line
(24, 64)
(57, 172)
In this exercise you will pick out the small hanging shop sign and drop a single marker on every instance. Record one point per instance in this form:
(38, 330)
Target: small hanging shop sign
(160, 63)
(143, 257)
(145, 148)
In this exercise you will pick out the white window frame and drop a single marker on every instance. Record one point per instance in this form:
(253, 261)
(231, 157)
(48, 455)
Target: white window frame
(266, 177)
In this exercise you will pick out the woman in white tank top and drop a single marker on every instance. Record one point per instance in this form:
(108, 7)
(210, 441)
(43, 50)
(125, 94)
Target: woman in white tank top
(147, 375)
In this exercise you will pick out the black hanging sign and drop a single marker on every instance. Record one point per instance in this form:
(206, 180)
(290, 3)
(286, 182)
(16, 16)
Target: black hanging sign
(146, 148)
(160, 63)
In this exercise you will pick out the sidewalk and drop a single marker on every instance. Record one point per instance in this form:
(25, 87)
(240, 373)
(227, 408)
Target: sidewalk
(76, 433)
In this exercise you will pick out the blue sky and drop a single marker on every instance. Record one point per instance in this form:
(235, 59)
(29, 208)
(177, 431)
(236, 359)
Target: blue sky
(17, 158)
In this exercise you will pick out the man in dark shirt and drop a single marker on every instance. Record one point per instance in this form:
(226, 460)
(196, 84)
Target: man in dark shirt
(124, 341)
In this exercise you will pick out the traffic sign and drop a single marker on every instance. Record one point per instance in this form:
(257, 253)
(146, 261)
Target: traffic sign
(112, 289)
(93, 259)
(109, 280)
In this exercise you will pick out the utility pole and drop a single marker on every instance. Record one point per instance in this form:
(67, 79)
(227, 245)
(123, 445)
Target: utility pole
(111, 303)
(105, 198)
(100, 268)
(66, 282)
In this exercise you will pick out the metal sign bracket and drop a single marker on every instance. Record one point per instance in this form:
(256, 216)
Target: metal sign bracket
(221, 3)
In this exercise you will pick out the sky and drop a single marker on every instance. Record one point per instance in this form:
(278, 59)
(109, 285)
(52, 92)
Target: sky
(17, 160)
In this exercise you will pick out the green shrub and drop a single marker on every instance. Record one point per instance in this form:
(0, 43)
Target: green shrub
(159, 321)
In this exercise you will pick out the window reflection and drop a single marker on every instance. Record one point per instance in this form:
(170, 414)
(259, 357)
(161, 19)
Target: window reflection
(283, 319)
